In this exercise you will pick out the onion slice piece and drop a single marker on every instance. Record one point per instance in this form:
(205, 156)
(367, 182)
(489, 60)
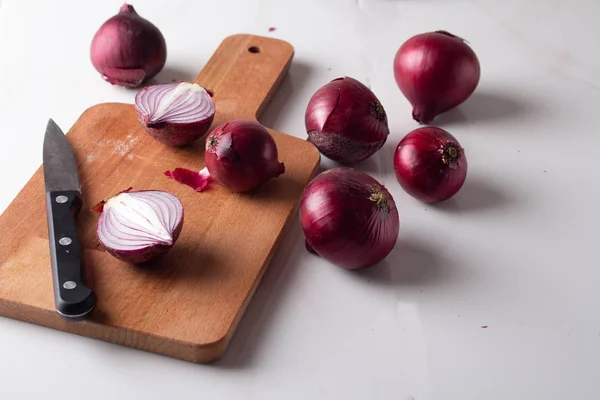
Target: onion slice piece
(176, 114)
(137, 226)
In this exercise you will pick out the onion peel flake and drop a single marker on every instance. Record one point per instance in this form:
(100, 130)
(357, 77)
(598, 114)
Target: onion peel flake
(196, 180)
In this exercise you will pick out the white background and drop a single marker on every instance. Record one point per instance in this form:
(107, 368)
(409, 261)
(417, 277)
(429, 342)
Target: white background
(515, 250)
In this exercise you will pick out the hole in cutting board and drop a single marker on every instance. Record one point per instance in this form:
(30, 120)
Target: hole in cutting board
(254, 49)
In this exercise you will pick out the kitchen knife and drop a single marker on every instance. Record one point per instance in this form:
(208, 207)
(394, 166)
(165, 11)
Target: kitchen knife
(73, 300)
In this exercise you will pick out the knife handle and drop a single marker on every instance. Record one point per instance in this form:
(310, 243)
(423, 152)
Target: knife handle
(72, 298)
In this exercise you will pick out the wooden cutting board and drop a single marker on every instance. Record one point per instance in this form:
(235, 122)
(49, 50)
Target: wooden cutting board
(188, 303)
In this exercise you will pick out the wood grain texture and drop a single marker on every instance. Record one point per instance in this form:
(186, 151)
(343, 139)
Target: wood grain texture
(188, 303)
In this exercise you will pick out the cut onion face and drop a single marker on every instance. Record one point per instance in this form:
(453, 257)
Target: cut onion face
(137, 226)
(175, 114)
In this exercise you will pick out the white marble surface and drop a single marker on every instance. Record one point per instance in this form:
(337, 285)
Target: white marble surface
(515, 250)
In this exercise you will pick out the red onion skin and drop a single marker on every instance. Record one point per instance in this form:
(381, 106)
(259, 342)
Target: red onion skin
(346, 121)
(138, 256)
(173, 134)
(241, 155)
(424, 167)
(436, 72)
(198, 181)
(128, 50)
(343, 222)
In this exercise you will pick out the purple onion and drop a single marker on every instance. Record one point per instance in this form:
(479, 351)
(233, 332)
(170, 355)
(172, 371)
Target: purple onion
(349, 218)
(436, 71)
(430, 164)
(346, 121)
(128, 49)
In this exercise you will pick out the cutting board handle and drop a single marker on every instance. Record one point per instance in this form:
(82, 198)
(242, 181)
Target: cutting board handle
(243, 74)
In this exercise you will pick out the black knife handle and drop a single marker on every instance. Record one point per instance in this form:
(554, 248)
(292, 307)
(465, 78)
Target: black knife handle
(72, 298)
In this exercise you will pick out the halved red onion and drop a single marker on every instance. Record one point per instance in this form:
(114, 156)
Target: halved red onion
(175, 113)
(137, 226)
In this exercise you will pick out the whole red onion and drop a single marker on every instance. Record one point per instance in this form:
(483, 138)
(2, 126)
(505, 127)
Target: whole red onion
(346, 121)
(436, 72)
(430, 164)
(349, 218)
(241, 155)
(128, 49)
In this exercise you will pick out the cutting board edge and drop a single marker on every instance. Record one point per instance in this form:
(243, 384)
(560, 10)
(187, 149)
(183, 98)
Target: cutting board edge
(205, 353)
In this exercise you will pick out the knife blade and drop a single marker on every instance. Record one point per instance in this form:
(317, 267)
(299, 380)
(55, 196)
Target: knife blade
(73, 300)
